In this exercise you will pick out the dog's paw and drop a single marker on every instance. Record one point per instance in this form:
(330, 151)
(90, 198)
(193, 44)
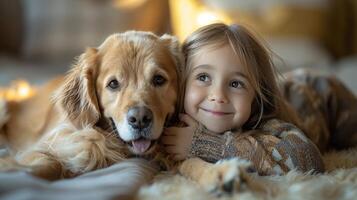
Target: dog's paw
(227, 176)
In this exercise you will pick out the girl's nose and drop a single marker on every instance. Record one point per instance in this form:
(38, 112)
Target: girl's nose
(218, 96)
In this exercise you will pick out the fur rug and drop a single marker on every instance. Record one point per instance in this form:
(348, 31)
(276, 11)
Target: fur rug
(339, 182)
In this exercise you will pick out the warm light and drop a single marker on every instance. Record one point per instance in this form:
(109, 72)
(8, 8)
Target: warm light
(205, 18)
(18, 90)
(24, 89)
(128, 4)
(189, 15)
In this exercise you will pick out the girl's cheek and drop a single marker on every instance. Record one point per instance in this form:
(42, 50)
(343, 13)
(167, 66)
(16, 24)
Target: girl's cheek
(193, 97)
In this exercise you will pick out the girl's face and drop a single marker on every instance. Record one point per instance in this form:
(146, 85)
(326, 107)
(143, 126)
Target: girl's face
(218, 92)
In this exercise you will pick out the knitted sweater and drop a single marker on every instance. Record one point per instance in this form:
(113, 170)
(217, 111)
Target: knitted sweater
(275, 148)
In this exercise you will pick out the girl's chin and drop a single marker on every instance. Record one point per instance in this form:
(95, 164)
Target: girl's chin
(217, 129)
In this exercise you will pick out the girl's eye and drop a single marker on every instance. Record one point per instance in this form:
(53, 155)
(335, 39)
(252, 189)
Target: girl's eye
(203, 77)
(113, 85)
(237, 84)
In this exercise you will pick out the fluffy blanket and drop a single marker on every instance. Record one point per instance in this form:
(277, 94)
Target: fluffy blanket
(339, 182)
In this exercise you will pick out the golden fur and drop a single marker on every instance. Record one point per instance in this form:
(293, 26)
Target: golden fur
(77, 133)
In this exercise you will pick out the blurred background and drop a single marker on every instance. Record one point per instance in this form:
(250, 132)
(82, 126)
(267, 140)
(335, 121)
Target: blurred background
(40, 38)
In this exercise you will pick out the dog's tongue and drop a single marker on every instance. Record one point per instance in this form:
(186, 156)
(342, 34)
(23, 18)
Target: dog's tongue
(141, 145)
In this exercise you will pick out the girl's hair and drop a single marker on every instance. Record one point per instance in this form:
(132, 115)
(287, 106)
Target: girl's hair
(261, 72)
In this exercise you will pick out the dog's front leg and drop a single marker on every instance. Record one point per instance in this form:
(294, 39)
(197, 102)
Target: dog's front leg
(195, 169)
(225, 176)
(69, 152)
(41, 164)
(212, 177)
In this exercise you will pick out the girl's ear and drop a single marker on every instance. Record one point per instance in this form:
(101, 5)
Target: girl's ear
(77, 96)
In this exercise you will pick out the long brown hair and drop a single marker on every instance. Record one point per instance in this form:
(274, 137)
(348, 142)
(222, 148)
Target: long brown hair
(257, 59)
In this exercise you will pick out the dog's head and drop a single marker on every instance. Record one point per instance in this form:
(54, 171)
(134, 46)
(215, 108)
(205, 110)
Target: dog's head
(131, 80)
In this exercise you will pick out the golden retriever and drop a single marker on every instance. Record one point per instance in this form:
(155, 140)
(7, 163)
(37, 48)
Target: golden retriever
(113, 103)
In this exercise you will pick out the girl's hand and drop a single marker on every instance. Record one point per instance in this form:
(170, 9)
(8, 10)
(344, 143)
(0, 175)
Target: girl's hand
(177, 140)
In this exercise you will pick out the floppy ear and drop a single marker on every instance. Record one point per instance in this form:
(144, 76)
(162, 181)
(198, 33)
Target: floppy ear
(77, 96)
(173, 45)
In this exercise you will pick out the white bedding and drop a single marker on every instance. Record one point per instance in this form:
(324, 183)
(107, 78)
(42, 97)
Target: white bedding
(120, 181)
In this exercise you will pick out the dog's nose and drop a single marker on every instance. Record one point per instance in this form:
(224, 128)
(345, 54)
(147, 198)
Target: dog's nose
(139, 117)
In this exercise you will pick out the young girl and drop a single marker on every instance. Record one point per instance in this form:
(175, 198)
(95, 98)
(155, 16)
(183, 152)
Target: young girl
(234, 108)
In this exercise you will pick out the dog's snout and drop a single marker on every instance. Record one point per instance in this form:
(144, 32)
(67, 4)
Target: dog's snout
(139, 117)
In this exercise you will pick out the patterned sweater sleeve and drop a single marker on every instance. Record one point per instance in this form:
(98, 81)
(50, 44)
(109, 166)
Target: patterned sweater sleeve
(276, 148)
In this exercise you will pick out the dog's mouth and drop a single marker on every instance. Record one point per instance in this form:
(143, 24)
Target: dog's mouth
(141, 145)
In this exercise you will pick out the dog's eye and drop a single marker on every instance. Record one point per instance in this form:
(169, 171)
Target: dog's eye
(113, 84)
(158, 80)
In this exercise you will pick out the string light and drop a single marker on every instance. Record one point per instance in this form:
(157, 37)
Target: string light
(18, 90)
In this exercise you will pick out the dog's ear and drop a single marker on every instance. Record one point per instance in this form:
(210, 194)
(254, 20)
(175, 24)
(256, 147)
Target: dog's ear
(175, 50)
(77, 96)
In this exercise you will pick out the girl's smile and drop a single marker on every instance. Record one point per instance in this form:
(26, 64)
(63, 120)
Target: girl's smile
(216, 112)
